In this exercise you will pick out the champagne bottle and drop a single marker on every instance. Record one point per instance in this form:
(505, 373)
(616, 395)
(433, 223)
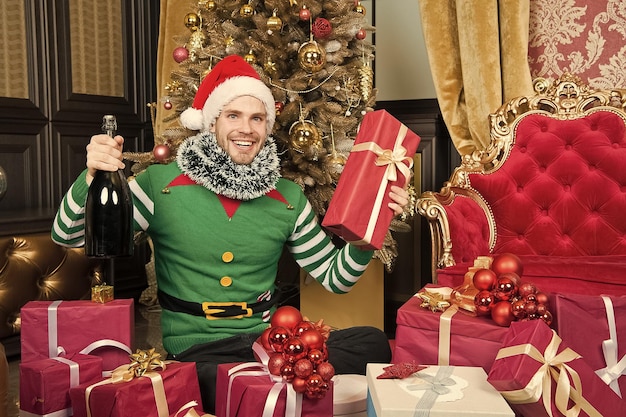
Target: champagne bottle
(109, 210)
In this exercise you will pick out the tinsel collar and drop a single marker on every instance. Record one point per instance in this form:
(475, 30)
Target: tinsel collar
(205, 162)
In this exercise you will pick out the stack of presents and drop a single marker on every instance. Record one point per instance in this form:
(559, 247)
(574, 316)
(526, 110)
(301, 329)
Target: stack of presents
(495, 345)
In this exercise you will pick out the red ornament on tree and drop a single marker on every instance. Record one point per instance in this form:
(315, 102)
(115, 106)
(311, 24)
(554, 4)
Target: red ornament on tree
(304, 14)
(180, 54)
(279, 106)
(167, 105)
(161, 152)
(321, 28)
(361, 34)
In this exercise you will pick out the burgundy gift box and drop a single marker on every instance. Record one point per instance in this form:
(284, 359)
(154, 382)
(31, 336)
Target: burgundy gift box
(381, 157)
(603, 319)
(52, 327)
(248, 391)
(473, 341)
(156, 394)
(536, 371)
(45, 384)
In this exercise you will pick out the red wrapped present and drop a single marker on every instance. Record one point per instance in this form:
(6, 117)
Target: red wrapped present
(381, 157)
(158, 391)
(190, 410)
(539, 375)
(603, 319)
(45, 384)
(452, 337)
(248, 390)
(50, 328)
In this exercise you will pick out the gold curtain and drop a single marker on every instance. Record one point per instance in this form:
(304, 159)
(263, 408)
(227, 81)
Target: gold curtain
(478, 54)
(171, 25)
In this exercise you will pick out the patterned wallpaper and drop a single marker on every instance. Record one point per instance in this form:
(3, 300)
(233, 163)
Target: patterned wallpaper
(584, 37)
(13, 53)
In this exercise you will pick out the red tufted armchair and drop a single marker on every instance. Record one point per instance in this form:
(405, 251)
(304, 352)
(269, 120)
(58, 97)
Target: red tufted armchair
(551, 188)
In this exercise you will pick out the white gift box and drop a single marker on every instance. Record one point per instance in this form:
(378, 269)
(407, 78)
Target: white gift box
(349, 395)
(436, 391)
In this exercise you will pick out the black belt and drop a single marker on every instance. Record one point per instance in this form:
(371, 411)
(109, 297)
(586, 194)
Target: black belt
(213, 311)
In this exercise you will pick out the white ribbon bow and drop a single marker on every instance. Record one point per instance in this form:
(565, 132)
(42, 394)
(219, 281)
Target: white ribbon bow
(614, 368)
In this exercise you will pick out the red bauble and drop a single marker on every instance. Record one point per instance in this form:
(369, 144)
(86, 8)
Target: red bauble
(513, 277)
(287, 372)
(361, 34)
(542, 298)
(277, 336)
(275, 363)
(546, 317)
(303, 368)
(287, 317)
(294, 349)
(531, 298)
(321, 28)
(304, 14)
(326, 370)
(541, 309)
(279, 107)
(527, 288)
(484, 279)
(312, 338)
(507, 262)
(518, 307)
(161, 152)
(314, 382)
(530, 307)
(502, 313)
(264, 339)
(302, 326)
(167, 105)
(483, 302)
(505, 289)
(316, 356)
(299, 385)
(180, 54)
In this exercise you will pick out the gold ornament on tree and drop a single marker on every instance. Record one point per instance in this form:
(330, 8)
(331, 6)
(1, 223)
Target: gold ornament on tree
(335, 157)
(304, 135)
(250, 58)
(274, 23)
(311, 56)
(366, 80)
(246, 10)
(359, 8)
(192, 21)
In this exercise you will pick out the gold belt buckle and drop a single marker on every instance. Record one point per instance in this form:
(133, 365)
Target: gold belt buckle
(210, 308)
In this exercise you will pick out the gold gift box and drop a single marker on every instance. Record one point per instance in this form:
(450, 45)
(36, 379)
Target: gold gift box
(102, 293)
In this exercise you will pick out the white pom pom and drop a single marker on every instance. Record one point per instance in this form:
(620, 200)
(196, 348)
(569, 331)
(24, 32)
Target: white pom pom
(192, 119)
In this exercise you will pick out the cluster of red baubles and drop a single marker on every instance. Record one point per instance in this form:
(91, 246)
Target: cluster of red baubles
(503, 295)
(297, 352)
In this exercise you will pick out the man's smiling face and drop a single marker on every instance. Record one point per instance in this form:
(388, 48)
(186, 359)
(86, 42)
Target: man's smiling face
(241, 128)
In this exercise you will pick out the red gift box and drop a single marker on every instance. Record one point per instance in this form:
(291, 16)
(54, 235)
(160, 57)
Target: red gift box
(449, 338)
(603, 319)
(249, 388)
(539, 375)
(45, 384)
(381, 157)
(155, 394)
(190, 410)
(52, 327)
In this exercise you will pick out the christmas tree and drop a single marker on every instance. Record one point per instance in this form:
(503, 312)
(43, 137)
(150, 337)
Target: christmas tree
(316, 58)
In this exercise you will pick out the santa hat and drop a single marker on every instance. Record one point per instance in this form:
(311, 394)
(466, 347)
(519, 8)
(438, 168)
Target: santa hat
(232, 77)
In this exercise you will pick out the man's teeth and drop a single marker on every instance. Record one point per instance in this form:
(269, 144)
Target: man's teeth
(242, 143)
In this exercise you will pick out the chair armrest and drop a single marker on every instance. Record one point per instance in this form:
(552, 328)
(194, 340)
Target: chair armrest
(459, 224)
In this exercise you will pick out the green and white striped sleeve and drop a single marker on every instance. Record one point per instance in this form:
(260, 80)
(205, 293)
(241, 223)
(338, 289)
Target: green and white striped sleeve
(68, 228)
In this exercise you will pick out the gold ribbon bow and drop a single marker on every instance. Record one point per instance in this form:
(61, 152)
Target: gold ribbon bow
(145, 361)
(553, 367)
(395, 159)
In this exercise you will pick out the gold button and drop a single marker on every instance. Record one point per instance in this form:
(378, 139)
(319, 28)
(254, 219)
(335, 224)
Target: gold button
(227, 257)
(226, 281)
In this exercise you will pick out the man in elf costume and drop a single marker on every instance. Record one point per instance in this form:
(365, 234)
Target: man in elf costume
(219, 217)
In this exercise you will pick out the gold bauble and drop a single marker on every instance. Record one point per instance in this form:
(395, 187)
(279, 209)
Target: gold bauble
(210, 5)
(246, 10)
(274, 22)
(337, 158)
(192, 21)
(304, 134)
(250, 58)
(360, 9)
(311, 56)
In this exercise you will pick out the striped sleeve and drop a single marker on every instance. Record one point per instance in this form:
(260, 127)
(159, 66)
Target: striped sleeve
(336, 269)
(68, 228)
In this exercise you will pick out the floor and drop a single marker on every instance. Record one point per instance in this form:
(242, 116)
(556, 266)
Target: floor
(147, 335)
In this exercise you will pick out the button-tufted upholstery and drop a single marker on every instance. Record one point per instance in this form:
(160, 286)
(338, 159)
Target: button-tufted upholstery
(33, 267)
(551, 188)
